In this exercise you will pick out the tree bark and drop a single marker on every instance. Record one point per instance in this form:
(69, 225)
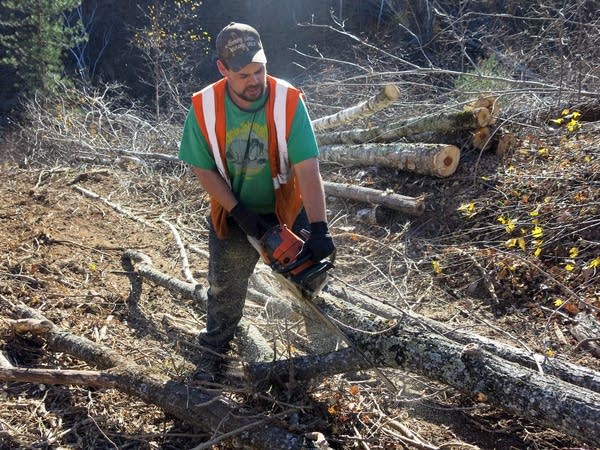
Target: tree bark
(406, 345)
(443, 123)
(571, 373)
(438, 160)
(388, 94)
(207, 412)
(409, 205)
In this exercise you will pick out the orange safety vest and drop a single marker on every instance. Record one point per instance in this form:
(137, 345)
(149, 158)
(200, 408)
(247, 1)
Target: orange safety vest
(280, 107)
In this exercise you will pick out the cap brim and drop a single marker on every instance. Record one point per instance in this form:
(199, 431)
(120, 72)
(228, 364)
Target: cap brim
(238, 63)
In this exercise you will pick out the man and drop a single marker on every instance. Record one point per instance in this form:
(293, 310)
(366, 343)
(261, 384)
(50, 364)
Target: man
(250, 142)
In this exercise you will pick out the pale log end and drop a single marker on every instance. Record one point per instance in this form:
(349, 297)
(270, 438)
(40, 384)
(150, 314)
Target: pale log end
(446, 161)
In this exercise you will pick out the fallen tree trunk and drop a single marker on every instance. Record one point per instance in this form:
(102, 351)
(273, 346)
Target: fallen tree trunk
(408, 343)
(445, 123)
(543, 399)
(207, 412)
(408, 205)
(571, 373)
(388, 94)
(439, 160)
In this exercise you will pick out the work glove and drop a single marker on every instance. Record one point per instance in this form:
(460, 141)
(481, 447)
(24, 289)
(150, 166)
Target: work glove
(319, 244)
(249, 221)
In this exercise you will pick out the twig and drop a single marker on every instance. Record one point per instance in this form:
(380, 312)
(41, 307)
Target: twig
(185, 269)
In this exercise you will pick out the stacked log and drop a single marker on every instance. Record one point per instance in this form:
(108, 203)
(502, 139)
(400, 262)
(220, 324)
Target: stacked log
(473, 127)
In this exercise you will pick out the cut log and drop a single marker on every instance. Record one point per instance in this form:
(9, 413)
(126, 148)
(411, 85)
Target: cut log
(481, 139)
(490, 103)
(407, 345)
(409, 205)
(503, 141)
(388, 94)
(438, 160)
(557, 367)
(442, 123)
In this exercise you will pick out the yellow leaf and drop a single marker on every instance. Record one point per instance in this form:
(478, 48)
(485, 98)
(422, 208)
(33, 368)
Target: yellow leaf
(558, 302)
(92, 266)
(501, 219)
(510, 225)
(573, 252)
(511, 243)
(535, 212)
(557, 121)
(437, 268)
(550, 353)
(570, 267)
(331, 409)
(565, 112)
(576, 115)
(468, 209)
(537, 232)
(594, 263)
(543, 151)
(522, 245)
(537, 252)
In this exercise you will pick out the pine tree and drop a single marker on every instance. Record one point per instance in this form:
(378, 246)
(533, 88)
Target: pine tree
(34, 37)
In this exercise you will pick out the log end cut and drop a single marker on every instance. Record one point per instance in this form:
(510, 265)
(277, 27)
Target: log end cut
(446, 161)
(391, 92)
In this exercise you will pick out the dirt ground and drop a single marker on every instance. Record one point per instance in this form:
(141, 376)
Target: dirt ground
(61, 254)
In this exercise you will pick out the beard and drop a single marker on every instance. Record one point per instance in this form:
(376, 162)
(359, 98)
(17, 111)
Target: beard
(251, 93)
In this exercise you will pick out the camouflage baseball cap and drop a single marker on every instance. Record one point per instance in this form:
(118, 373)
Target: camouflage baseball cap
(239, 44)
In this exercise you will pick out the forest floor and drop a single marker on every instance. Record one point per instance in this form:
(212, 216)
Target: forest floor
(61, 254)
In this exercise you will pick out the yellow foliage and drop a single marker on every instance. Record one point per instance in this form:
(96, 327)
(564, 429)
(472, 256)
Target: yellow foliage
(594, 263)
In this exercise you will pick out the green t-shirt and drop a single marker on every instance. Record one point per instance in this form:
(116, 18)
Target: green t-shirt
(247, 151)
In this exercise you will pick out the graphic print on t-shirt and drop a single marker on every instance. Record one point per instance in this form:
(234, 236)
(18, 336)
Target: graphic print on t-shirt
(247, 149)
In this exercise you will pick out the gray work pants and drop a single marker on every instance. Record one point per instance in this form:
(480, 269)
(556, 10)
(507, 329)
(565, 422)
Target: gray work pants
(231, 262)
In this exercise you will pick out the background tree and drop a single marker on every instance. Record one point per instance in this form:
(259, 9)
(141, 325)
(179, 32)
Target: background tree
(35, 38)
(175, 48)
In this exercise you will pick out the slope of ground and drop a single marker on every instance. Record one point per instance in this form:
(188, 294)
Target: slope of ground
(471, 260)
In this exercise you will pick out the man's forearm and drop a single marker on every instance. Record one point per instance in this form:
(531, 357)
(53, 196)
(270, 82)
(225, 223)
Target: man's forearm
(311, 188)
(215, 185)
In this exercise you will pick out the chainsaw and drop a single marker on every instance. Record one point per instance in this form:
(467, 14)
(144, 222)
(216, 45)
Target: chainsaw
(281, 249)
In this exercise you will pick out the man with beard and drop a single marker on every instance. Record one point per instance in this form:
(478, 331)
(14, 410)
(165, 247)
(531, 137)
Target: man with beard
(250, 142)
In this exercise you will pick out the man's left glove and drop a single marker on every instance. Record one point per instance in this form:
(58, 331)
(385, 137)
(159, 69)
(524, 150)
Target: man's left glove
(319, 244)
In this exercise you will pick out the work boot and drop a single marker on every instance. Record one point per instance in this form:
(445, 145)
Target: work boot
(209, 369)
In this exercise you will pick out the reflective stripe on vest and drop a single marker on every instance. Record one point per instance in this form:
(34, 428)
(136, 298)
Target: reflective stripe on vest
(210, 120)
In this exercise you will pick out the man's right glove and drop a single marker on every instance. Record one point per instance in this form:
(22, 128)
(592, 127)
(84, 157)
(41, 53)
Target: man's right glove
(250, 222)
(319, 244)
